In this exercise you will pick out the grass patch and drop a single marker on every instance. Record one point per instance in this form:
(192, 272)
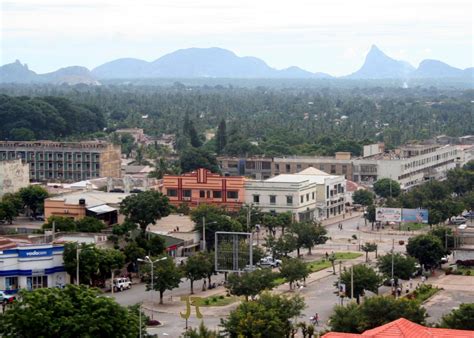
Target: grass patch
(278, 281)
(466, 271)
(215, 300)
(347, 255)
(411, 226)
(318, 265)
(424, 292)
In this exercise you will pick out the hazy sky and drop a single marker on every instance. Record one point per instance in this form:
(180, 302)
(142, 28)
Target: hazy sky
(317, 35)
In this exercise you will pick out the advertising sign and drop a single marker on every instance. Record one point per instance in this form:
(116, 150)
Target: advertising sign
(388, 214)
(415, 215)
(33, 253)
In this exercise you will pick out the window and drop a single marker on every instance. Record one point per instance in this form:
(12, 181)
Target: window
(256, 198)
(171, 192)
(288, 168)
(250, 165)
(37, 282)
(11, 283)
(333, 169)
(302, 198)
(327, 191)
(273, 199)
(289, 200)
(202, 193)
(233, 194)
(187, 193)
(277, 166)
(312, 195)
(266, 165)
(216, 194)
(307, 197)
(344, 169)
(298, 166)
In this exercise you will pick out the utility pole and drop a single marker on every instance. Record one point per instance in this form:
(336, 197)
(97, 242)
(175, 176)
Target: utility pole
(446, 239)
(340, 272)
(203, 233)
(77, 263)
(393, 247)
(54, 230)
(352, 282)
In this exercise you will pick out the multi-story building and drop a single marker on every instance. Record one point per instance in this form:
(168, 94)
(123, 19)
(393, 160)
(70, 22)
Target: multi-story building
(203, 186)
(259, 168)
(309, 195)
(14, 175)
(410, 165)
(65, 161)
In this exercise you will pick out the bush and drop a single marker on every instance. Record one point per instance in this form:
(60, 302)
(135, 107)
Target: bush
(221, 297)
(468, 273)
(467, 262)
(457, 272)
(354, 236)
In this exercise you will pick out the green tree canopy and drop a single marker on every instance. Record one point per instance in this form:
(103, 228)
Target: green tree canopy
(368, 247)
(166, 275)
(75, 311)
(293, 269)
(374, 312)
(60, 223)
(363, 197)
(403, 266)
(460, 319)
(365, 279)
(196, 268)
(195, 158)
(308, 234)
(426, 248)
(386, 187)
(33, 197)
(89, 224)
(250, 284)
(268, 316)
(145, 208)
(446, 236)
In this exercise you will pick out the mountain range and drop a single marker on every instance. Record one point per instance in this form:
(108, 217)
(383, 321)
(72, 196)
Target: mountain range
(221, 63)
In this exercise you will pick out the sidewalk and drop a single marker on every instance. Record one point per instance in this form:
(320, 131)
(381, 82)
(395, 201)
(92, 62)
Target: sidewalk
(341, 218)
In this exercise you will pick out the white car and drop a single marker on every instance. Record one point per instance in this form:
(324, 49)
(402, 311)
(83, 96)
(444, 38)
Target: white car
(4, 298)
(269, 262)
(122, 283)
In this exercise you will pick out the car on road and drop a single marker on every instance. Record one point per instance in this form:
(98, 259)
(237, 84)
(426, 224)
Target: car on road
(458, 220)
(5, 298)
(269, 262)
(122, 283)
(468, 214)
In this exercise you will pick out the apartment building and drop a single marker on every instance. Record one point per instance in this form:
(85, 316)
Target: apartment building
(410, 165)
(65, 161)
(259, 168)
(309, 195)
(203, 186)
(14, 175)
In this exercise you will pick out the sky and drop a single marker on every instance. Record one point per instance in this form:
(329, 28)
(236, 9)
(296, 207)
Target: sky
(331, 36)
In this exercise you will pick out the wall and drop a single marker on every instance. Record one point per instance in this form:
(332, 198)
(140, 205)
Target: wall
(60, 208)
(14, 175)
(110, 161)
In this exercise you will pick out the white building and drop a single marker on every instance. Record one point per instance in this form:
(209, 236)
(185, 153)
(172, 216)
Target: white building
(14, 175)
(410, 165)
(31, 267)
(309, 195)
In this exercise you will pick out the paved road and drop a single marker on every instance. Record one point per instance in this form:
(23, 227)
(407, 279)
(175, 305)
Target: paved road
(319, 295)
(445, 301)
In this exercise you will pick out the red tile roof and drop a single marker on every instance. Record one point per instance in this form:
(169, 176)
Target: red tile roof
(403, 328)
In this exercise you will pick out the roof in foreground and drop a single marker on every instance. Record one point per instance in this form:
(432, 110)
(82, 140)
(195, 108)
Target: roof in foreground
(403, 328)
(310, 174)
(93, 198)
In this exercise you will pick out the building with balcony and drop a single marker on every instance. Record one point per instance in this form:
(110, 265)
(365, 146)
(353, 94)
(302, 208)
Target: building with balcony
(309, 195)
(65, 161)
(203, 186)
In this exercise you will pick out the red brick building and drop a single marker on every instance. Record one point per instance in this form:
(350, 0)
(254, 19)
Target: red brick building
(203, 186)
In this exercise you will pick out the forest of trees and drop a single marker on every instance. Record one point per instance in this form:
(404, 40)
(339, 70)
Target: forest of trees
(260, 120)
(47, 118)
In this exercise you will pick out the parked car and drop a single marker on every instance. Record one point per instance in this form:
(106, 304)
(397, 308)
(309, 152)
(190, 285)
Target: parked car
(468, 214)
(458, 220)
(6, 298)
(269, 262)
(122, 283)
(249, 268)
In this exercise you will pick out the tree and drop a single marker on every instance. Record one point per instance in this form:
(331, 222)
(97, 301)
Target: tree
(89, 224)
(8, 211)
(308, 235)
(33, 197)
(446, 236)
(282, 246)
(166, 275)
(371, 214)
(145, 208)
(250, 284)
(426, 248)
(460, 319)
(75, 311)
(268, 316)
(221, 137)
(403, 266)
(386, 187)
(368, 247)
(365, 279)
(293, 269)
(193, 158)
(284, 220)
(195, 269)
(374, 312)
(132, 252)
(60, 223)
(201, 332)
(363, 197)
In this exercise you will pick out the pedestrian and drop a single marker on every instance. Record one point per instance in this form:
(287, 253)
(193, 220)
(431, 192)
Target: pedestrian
(423, 278)
(411, 283)
(204, 285)
(399, 291)
(327, 255)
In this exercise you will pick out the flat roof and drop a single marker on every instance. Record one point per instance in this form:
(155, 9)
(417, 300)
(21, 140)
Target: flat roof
(92, 198)
(311, 175)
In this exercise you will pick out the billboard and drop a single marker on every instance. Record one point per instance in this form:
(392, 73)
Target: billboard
(415, 215)
(388, 214)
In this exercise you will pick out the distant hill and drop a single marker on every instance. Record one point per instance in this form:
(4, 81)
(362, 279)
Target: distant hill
(436, 69)
(18, 73)
(378, 65)
(197, 63)
(221, 63)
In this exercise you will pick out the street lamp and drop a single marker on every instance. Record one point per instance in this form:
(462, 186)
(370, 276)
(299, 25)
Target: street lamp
(149, 261)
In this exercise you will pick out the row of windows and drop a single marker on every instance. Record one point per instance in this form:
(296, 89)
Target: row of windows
(417, 163)
(42, 165)
(187, 193)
